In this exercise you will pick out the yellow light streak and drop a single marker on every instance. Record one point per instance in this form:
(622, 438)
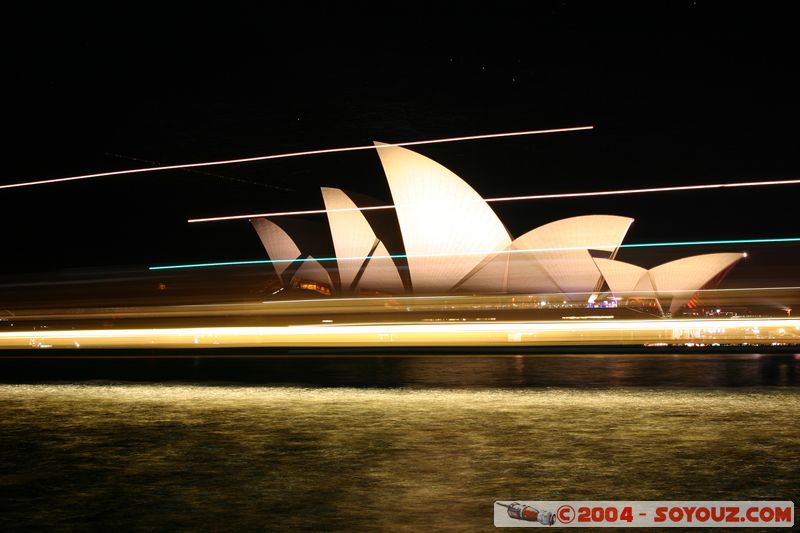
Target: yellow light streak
(545, 333)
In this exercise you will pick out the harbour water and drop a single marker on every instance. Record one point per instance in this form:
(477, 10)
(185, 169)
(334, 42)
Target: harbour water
(384, 444)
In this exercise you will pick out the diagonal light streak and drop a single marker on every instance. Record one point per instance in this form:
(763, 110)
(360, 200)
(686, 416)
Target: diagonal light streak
(292, 154)
(517, 198)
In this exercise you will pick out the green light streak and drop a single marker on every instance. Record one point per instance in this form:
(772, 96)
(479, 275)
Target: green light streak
(399, 256)
(224, 263)
(698, 243)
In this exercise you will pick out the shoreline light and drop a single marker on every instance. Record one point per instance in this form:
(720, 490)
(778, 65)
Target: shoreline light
(530, 250)
(292, 154)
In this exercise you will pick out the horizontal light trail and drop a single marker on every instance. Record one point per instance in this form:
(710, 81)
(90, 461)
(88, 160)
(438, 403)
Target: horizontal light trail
(736, 289)
(647, 190)
(694, 243)
(516, 198)
(450, 297)
(526, 250)
(359, 304)
(289, 213)
(293, 154)
(408, 327)
(563, 332)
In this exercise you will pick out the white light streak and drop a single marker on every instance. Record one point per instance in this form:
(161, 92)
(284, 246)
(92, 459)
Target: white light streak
(518, 198)
(648, 190)
(291, 154)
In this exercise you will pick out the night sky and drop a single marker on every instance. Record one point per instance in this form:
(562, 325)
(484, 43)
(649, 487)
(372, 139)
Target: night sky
(684, 94)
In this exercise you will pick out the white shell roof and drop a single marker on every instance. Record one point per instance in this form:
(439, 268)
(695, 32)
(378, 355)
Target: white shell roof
(447, 227)
(353, 240)
(620, 276)
(277, 243)
(353, 237)
(381, 274)
(592, 232)
(312, 270)
(552, 258)
(689, 273)
(453, 239)
(678, 279)
(491, 275)
(561, 251)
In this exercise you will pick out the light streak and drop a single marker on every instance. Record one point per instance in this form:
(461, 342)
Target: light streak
(486, 253)
(293, 154)
(357, 304)
(647, 190)
(735, 289)
(515, 199)
(693, 243)
(470, 298)
(544, 333)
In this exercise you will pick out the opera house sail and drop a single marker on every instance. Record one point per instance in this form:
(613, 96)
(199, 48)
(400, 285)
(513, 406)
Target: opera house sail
(447, 227)
(676, 281)
(361, 257)
(443, 238)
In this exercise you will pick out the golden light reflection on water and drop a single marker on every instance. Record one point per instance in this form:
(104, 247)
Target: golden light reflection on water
(286, 458)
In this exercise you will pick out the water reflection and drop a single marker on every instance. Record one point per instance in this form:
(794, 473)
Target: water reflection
(156, 456)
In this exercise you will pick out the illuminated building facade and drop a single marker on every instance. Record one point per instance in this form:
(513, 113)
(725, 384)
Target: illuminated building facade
(442, 237)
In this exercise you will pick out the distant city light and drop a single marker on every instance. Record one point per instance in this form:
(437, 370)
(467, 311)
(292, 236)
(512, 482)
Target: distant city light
(292, 154)
(512, 198)
(528, 250)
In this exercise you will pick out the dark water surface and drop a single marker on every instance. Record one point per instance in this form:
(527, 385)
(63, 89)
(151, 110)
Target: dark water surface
(384, 444)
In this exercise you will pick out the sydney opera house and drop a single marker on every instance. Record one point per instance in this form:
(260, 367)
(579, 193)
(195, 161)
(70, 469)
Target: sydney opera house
(443, 238)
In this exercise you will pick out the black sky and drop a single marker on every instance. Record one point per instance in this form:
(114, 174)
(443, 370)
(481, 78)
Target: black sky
(684, 93)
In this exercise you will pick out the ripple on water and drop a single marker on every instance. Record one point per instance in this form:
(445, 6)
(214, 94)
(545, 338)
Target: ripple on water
(239, 457)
